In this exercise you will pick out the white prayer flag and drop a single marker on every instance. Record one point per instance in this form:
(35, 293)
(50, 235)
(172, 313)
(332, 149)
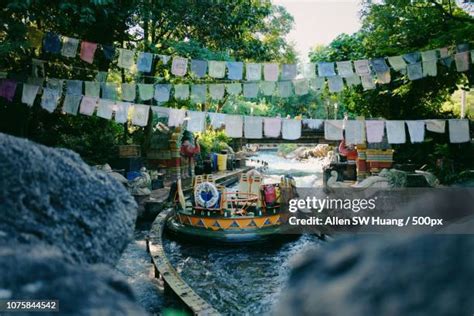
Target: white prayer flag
(126, 58)
(140, 114)
(436, 126)
(362, 67)
(217, 91)
(234, 88)
(344, 69)
(217, 120)
(272, 127)
(326, 69)
(216, 69)
(333, 129)
(462, 61)
(395, 132)
(181, 91)
(301, 86)
(179, 66)
(270, 72)
(291, 129)
(308, 70)
(88, 105)
(416, 130)
(105, 108)
(459, 131)
(196, 121)
(375, 130)
(253, 127)
(69, 48)
(29, 93)
(355, 133)
(233, 126)
(335, 84)
(121, 111)
(253, 71)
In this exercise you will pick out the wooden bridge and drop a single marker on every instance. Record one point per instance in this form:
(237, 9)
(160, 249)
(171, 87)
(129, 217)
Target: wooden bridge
(308, 137)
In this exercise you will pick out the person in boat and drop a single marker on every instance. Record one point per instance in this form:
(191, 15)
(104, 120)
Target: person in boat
(189, 148)
(348, 151)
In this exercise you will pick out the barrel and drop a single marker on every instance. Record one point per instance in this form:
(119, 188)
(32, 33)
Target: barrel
(207, 166)
(221, 162)
(214, 161)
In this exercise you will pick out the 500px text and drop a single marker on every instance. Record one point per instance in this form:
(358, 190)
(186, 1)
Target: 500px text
(366, 221)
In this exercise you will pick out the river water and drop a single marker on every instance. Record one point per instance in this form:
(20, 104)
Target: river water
(234, 280)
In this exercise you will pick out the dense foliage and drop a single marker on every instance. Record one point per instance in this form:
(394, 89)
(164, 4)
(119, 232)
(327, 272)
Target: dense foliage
(396, 28)
(250, 30)
(223, 30)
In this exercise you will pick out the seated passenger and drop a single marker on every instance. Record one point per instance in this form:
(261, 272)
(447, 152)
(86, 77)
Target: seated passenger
(348, 151)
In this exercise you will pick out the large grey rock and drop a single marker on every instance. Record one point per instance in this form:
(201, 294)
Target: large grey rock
(384, 275)
(41, 272)
(51, 195)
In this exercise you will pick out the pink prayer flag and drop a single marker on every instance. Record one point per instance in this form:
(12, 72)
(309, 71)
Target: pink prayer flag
(88, 105)
(375, 131)
(7, 89)
(88, 51)
(272, 127)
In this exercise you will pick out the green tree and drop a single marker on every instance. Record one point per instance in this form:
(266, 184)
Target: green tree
(396, 28)
(223, 30)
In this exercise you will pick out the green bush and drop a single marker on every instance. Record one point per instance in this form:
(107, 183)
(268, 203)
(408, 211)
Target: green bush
(213, 141)
(285, 149)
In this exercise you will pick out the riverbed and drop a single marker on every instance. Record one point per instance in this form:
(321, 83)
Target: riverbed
(234, 280)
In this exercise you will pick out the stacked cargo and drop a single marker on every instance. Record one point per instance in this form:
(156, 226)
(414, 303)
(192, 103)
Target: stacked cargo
(159, 152)
(174, 161)
(361, 164)
(378, 159)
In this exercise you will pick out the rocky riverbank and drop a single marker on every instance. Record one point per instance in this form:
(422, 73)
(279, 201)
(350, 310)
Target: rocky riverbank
(302, 153)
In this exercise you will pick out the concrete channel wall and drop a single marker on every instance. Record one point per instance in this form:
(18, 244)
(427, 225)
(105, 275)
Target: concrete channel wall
(164, 270)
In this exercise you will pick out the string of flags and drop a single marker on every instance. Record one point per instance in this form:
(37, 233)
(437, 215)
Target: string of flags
(197, 93)
(163, 92)
(236, 126)
(363, 72)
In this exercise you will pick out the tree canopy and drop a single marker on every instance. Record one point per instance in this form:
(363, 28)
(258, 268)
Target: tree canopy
(395, 28)
(250, 30)
(245, 30)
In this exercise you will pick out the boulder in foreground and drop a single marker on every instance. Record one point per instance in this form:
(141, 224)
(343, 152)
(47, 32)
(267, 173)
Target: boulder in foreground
(377, 275)
(51, 195)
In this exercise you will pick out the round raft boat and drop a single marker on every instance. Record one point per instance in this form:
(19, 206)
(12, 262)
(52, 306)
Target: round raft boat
(250, 214)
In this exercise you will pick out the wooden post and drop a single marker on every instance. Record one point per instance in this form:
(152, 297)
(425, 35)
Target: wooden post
(463, 103)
